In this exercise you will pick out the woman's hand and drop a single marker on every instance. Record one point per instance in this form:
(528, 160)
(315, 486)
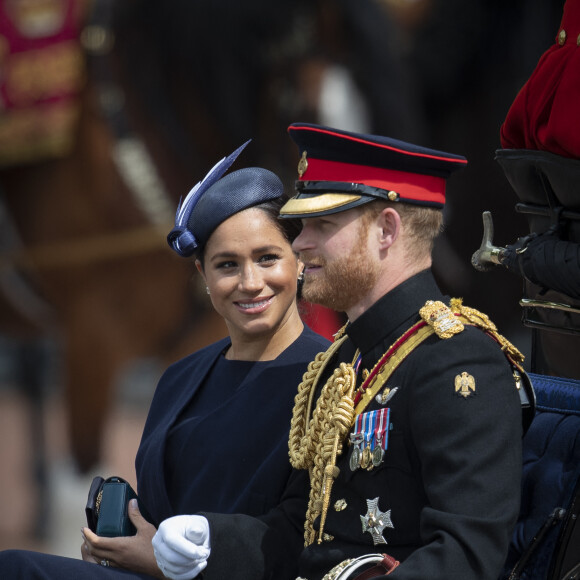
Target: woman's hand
(130, 552)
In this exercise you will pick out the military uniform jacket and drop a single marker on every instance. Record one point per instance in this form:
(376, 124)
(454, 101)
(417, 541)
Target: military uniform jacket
(448, 487)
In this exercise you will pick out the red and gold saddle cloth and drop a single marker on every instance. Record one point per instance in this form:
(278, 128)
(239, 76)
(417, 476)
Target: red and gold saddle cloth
(42, 72)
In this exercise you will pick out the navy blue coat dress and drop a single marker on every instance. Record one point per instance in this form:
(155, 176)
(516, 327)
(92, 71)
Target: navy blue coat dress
(215, 439)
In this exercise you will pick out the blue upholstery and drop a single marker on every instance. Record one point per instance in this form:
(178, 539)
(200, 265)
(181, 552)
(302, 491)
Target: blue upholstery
(551, 471)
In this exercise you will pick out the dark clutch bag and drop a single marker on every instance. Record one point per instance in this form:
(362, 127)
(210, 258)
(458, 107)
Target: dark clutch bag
(107, 505)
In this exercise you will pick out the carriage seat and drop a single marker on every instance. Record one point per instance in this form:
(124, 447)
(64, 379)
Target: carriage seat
(546, 540)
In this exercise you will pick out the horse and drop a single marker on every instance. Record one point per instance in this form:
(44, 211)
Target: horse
(95, 270)
(163, 94)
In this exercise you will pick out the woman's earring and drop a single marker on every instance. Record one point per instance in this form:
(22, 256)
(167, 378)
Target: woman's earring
(300, 282)
(207, 289)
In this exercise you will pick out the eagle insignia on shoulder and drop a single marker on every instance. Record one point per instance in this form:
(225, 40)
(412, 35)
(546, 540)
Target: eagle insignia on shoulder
(464, 385)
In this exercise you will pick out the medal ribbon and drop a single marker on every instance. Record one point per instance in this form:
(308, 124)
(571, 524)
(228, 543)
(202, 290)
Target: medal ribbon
(382, 427)
(356, 364)
(358, 425)
(368, 427)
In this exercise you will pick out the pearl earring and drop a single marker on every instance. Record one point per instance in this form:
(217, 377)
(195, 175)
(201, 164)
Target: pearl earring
(207, 289)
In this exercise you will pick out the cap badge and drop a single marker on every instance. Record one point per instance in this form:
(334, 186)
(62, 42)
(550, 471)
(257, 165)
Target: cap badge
(302, 165)
(464, 385)
(375, 521)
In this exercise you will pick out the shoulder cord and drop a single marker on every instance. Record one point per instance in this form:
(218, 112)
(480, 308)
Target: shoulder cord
(315, 442)
(477, 318)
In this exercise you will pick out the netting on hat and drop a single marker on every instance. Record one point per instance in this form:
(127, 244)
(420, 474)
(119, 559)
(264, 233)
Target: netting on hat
(231, 194)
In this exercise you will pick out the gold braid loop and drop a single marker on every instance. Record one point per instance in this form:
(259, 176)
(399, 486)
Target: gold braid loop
(300, 450)
(316, 440)
(477, 318)
(302, 439)
(344, 415)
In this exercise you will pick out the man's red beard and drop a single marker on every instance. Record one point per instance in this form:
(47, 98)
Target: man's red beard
(343, 282)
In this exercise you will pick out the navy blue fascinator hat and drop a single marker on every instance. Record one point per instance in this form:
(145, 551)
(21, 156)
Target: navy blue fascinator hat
(214, 199)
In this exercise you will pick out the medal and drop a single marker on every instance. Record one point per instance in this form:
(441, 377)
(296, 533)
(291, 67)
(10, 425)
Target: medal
(375, 521)
(355, 456)
(368, 424)
(378, 453)
(381, 423)
(369, 439)
(366, 457)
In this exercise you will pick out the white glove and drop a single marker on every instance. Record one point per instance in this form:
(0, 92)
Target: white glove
(181, 546)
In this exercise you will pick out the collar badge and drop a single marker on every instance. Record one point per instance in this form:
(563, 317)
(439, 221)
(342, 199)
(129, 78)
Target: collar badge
(464, 385)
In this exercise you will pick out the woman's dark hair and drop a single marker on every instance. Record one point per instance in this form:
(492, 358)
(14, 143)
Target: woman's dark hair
(290, 228)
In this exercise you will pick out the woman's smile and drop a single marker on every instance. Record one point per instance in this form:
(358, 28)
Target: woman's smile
(254, 306)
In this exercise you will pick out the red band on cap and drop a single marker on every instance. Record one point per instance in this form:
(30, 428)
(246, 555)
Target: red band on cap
(424, 188)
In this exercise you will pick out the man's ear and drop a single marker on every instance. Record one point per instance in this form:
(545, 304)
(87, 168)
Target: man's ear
(390, 223)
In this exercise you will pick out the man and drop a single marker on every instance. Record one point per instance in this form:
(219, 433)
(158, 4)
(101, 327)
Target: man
(406, 434)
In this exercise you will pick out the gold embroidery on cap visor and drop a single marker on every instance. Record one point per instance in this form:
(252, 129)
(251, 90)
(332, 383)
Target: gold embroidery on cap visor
(323, 202)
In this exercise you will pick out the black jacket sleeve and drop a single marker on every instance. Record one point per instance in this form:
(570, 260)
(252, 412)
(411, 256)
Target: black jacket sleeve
(264, 548)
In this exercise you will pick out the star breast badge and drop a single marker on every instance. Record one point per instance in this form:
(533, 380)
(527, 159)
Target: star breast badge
(375, 521)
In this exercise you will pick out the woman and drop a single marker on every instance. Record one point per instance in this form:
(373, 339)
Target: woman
(216, 437)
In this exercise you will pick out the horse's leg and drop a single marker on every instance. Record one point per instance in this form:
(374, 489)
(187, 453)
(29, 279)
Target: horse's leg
(92, 358)
(33, 361)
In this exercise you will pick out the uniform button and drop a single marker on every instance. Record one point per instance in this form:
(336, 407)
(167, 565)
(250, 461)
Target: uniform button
(561, 37)
(578, 41)
(339, 505)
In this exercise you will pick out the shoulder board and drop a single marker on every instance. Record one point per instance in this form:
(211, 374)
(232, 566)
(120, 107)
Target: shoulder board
(441, 318)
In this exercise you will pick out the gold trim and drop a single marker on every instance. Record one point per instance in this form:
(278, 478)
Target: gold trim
(98, 501)
(477, 318)
(389, 367)
(322, 202)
